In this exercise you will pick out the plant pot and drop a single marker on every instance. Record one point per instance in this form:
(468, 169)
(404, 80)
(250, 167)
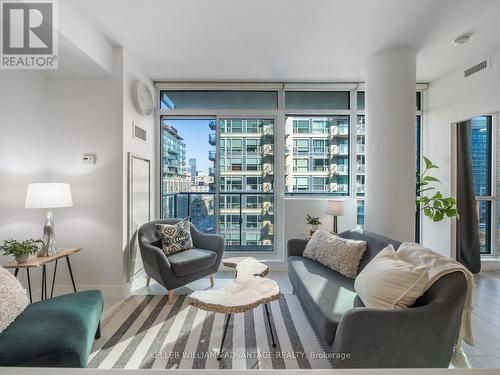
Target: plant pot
(22, 258)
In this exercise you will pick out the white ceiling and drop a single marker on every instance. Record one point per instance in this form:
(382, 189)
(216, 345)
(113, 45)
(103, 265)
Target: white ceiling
(291, 40)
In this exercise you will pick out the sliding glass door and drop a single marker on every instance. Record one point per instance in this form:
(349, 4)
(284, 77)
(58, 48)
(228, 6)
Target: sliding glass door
(220, 172)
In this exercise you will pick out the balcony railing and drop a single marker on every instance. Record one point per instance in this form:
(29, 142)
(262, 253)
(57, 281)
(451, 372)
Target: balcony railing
(212, 139)
(361, 149)
(207, 215)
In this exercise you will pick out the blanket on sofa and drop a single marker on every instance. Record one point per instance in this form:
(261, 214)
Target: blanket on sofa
(438, 266)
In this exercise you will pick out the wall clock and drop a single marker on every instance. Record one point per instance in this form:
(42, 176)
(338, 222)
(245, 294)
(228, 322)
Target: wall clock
(143, 98)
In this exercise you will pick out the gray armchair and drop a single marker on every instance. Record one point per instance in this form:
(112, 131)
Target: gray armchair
(175, 270)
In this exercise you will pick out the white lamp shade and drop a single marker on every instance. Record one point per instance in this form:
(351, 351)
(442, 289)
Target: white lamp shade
(48, 195)
(335, 208)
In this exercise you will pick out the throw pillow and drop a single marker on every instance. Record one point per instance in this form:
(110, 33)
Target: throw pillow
(175, 237)
(388, 282)
(13, 297)
(340, 254)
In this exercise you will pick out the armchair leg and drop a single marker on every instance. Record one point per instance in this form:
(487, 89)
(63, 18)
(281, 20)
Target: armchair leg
(148, 280)
(212, 281)
(170, 298)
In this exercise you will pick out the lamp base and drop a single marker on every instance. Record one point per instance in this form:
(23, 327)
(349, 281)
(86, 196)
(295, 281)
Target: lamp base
(49, 238)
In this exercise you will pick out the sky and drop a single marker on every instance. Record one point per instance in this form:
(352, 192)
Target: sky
(195, 134)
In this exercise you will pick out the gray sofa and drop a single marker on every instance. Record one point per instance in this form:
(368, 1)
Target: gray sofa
(421, 336)
(176, 270)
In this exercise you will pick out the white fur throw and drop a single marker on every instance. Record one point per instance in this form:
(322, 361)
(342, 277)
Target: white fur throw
(13, 298)
(340, 254)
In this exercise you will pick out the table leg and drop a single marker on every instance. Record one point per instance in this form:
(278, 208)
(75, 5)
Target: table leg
(270, 327)
(71, 274)
(53, 280)
(226, 325)
(43, 280)
(16, 272)
(29, 284)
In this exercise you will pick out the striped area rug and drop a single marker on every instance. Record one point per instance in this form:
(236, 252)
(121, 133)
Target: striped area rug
(145, 332)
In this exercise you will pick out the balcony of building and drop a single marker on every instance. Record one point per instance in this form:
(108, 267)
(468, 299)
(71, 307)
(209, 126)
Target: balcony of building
(361, 169)
(340, 150)
(211, 155)
(361, 149)
(341, 169)
(212, 139)
(341, 130)
(361, 129)
(212, 124)
(341, 188)
(360, 189)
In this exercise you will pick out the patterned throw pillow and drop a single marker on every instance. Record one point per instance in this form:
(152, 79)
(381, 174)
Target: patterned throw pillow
(175, 237)
(339, 254)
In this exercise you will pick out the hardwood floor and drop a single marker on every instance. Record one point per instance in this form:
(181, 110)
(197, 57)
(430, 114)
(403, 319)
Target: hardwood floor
(486, 322)
(485, 316)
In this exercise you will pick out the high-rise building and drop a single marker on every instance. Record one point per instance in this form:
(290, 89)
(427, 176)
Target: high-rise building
(246, 160)
(174, 161)
(192, 167)
(317, 154)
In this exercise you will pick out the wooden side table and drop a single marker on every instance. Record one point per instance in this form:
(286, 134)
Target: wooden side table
(36, 262)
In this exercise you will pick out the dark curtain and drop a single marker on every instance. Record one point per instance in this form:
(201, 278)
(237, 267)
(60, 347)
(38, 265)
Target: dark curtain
(468, 244)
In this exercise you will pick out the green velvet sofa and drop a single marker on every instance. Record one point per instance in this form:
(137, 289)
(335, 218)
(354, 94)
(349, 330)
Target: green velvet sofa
(57, 332)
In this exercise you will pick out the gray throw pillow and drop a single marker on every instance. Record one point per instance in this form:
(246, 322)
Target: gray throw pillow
(175, 237)
(340, 254)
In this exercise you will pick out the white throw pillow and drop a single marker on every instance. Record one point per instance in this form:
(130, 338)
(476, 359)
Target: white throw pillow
(13, 298)
(340, 254)
(388, 282)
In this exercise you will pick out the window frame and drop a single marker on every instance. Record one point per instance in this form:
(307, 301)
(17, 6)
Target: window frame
(279, 114)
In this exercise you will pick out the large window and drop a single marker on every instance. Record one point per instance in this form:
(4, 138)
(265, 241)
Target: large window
(317, 154)
(481, 154)
(228, 139)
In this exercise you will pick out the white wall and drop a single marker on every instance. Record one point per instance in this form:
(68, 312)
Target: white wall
(48, 122)
(296, 210)
(23, 152)
(146, 150)
(449, 99)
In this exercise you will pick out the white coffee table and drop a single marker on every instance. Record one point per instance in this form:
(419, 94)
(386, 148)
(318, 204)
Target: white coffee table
(248, 290)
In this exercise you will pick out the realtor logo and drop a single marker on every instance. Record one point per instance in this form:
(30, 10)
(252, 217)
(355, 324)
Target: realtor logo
(29, 35)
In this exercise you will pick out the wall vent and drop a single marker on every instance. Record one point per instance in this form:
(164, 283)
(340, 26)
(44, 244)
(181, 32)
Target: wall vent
(476, 68)
(140, 133)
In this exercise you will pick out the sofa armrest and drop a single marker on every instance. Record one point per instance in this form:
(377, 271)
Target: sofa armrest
(212, 242)
(155, 261)
(296, 246)
(377, 338)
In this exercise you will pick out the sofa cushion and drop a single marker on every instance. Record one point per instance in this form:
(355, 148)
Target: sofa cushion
(388, 282)
(191, 261)
(13, 297)
(175, 237)
(325, 294)
(57, 332)
(339, 254)
(374, 244)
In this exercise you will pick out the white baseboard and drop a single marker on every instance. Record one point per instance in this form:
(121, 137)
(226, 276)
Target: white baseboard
(490, 264)
(108, 291)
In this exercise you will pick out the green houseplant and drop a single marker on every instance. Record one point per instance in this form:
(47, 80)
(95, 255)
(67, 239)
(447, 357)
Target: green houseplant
(313, 222)
(20, 250)
(434, 205)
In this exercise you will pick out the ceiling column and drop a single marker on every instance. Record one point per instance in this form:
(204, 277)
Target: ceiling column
(391, 143)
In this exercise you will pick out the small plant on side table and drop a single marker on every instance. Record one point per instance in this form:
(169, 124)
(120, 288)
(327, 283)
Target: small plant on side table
(20, 250)
(313, 222)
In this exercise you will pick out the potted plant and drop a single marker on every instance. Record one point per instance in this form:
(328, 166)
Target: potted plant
(313, 222)
(434, 205)
(20, 250)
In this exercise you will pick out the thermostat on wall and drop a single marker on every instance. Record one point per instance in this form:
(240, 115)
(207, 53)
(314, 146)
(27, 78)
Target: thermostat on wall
(89, 158)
